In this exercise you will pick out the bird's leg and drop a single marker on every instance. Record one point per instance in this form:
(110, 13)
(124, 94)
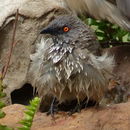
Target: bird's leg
(89, 103)
(53, 107)
(86, 102)
(77, 108)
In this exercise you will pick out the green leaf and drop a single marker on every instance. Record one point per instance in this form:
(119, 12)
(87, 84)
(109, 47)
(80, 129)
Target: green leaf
(26, 123)
(100, 34)
(2, 114)
(28, 118)
(30, 108)
(31, 113)
(2, 94)
(3, 127)
(2, 105)
(24, 128)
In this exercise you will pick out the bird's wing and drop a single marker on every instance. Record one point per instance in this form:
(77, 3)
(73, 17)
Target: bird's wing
(100, 9)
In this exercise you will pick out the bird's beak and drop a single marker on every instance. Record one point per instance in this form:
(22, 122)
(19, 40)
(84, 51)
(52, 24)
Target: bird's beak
(46, 31)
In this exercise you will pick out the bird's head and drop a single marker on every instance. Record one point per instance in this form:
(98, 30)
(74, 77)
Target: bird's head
(69, 30)
(66, 27)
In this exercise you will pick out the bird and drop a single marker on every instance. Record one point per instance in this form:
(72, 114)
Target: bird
(114, 11)
(68, 63)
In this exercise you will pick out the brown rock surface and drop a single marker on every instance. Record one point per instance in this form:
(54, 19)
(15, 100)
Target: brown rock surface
(116, 117)
(33, 15)
(122, 60)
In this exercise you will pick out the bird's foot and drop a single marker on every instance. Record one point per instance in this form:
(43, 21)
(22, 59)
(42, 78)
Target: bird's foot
(77, 108)
(53, 108)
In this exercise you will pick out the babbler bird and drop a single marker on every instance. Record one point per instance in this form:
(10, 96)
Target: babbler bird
(68, 65)
(115, 11)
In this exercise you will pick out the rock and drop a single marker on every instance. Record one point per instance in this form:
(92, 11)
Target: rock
(122, 66)
(119, 86)
(14, 113)
(115, 117)
(33, 15)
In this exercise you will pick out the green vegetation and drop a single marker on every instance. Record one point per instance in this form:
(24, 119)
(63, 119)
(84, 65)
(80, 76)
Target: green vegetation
(107, 32)
(2, 104)
(29, 114)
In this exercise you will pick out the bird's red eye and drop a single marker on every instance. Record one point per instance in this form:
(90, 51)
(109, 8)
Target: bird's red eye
(66, 29)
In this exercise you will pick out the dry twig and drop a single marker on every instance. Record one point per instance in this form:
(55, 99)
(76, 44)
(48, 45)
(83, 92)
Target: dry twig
(13, 43)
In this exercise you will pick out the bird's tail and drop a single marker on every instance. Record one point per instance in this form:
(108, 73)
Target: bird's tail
(100, 9)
